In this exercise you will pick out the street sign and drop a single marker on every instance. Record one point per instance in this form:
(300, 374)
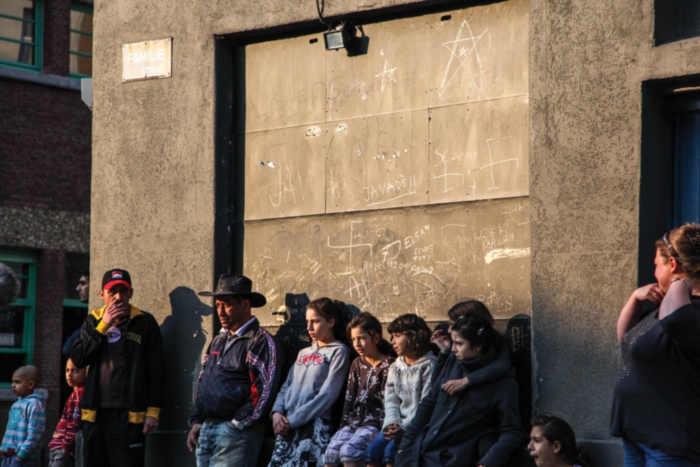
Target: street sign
(147, 60)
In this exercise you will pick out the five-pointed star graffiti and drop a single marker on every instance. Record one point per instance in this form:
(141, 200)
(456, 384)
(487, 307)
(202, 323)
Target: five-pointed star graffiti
(461, 53)
(387, 75)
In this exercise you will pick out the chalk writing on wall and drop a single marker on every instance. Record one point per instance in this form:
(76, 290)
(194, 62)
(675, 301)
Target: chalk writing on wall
(397, 261)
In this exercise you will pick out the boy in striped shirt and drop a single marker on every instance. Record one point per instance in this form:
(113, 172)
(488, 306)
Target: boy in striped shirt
(26, 421)
(62, 445)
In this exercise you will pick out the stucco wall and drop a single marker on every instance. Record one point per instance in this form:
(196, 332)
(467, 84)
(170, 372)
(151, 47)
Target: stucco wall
(587, 63)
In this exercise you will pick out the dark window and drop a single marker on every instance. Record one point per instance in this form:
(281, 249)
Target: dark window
(17, 321)
(670, 169)
(675, 20)
(686, 154)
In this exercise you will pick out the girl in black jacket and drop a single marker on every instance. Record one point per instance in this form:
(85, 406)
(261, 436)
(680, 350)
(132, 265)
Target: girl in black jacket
(479, 426)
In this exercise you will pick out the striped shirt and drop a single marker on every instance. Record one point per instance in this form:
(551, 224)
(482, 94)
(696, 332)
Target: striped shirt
(69, 425)
(25, 426)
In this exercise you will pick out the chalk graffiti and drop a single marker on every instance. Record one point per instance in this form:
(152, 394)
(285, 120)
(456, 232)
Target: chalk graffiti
(400, 261)
(387, 75)
(461, 49)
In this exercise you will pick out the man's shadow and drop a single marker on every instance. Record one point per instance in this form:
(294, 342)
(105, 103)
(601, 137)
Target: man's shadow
(183, 342)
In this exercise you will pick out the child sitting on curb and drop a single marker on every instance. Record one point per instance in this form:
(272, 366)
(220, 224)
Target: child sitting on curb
(363, 411)
(408, 382)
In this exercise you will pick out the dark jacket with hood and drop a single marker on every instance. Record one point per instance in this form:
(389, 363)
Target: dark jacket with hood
(446, 430)
(238, 383)
(145, 364)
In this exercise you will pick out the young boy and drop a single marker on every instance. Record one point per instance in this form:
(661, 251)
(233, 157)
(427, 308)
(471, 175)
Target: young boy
(62, 445)
(363, 412)
(26, 421)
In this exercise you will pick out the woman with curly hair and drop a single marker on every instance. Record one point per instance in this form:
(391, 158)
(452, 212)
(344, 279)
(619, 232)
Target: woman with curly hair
(407, 383)
(302, 411)
(656, 403)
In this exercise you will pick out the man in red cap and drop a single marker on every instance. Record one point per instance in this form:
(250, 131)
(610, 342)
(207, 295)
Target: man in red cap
(125, 386)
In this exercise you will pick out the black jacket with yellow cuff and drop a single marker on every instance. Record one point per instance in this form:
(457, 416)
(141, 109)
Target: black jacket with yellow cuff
(145, 364)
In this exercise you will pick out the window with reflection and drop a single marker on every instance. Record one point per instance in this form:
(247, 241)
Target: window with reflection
(17, 321)
(81, 40)
(20, 33)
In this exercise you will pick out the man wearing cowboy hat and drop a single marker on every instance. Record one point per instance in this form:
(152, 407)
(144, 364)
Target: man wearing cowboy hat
(238, 382)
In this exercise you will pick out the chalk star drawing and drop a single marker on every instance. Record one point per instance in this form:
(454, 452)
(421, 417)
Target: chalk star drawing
(387, 75)
(471, 41)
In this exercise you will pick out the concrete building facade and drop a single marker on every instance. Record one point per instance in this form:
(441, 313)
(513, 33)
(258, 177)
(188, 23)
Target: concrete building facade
(526, 153)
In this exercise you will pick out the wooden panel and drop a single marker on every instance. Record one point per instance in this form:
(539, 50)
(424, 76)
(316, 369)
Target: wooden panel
(480, 53)
(479, 150)
(390, 262)
(391, 77)
(285, 172)
(378, 162)
(285, 83)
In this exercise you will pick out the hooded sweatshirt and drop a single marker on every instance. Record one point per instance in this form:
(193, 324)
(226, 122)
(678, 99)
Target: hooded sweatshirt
(313, 384)
(406, 385)
(25, 427)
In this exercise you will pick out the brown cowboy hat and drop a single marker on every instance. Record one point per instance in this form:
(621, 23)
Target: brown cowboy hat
(238, 286)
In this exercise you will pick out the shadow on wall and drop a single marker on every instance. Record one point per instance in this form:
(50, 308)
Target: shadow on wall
(183, 342)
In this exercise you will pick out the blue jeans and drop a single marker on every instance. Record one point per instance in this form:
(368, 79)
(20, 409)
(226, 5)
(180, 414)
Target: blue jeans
(223, 445)
(381, 450)
(638, 455)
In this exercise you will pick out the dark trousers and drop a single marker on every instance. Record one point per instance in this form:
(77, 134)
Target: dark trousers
(113, 442)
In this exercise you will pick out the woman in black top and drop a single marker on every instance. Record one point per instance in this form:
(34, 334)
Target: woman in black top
(656, 405)
(478, 426)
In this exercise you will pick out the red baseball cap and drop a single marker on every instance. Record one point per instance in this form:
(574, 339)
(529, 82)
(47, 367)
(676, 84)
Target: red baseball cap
(114, 277)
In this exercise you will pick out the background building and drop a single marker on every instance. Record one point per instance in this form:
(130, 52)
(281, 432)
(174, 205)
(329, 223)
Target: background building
(45, 138)
(523, 152)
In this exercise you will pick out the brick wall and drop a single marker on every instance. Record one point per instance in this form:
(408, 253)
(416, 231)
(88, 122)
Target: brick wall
(57, 31)
(48, 331)
(45, 163)
(45, 157)
(45, 132)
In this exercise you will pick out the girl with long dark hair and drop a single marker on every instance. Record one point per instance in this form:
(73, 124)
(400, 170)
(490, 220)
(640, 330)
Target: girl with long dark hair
(448, 429)
(302, 411)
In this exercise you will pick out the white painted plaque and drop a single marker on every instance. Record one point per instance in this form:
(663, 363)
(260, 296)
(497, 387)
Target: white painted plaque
(147, 60)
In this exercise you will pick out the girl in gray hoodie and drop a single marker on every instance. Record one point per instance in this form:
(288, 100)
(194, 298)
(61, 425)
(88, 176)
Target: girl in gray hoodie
(302, 411)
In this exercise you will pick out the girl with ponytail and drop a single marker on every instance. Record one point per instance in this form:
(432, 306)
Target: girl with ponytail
(302, 411)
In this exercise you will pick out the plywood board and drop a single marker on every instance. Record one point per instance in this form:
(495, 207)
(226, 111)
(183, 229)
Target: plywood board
(480, 53)
(378, 162)
(479, 150)
(391, 77)
(285, 172)
(285, 83)
(391, 262)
